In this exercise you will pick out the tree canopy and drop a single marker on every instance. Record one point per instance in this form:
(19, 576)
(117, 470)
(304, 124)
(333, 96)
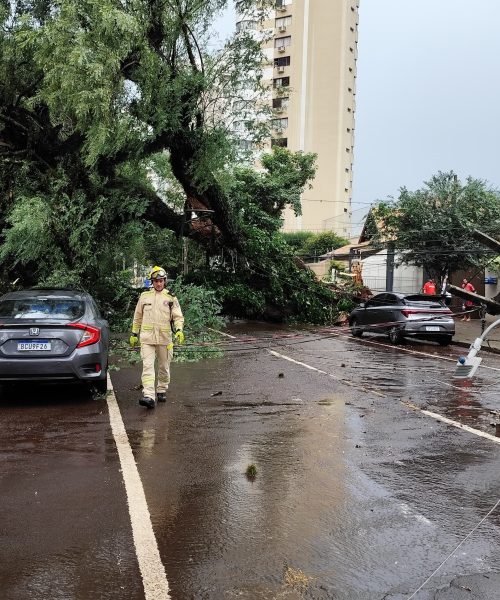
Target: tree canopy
(115, 124)
(431, 226)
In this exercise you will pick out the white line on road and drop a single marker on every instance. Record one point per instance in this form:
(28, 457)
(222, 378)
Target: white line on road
(371, 391)
(407, 350)
(152, 570)
(478, 432)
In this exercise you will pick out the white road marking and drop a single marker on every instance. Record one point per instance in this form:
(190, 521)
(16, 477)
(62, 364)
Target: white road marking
(416, 352)
(408, 405)
(488, 436)
(152, 570)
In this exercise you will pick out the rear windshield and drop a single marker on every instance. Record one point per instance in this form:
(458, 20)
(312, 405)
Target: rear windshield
(42, 308)
(419, 300)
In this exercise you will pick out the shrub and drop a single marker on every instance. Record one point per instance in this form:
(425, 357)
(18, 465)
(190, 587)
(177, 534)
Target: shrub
(322, 243)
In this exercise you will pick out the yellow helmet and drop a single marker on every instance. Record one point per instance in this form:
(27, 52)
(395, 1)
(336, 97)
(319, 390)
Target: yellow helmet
(158, 273)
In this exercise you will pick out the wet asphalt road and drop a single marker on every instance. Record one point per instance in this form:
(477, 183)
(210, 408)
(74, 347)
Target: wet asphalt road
(358, 494)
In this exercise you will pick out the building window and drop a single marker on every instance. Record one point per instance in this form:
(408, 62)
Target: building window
(283, 42)
(242, 126)
(281, 4)
(280, 102)
(282, 61)
(283, 22)
(245, 25)
(281, 82)
(280, 123)
(245, 144)
(281, 142)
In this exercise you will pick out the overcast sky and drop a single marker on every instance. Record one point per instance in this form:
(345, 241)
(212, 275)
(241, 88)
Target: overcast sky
(428, 94)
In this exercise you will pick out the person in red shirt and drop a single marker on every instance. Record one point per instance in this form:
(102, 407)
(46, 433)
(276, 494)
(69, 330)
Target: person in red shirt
(467, 285)
(429, 287)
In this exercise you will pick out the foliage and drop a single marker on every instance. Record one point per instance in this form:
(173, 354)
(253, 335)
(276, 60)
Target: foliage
(297, 239)
(336, 265)
(115, 128)
(321, 243)
(494, 265)
(201, 309)
(431, 226)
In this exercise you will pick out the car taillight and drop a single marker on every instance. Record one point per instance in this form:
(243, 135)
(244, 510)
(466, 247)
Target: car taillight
(91, 335)
(407, 312)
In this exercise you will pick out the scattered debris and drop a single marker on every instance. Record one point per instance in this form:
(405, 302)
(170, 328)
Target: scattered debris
(295, 578)
(216, 394)
(342, 365)
(281, 375)
(251, 471)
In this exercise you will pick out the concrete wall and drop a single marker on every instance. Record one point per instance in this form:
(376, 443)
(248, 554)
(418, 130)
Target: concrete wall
(407, 279)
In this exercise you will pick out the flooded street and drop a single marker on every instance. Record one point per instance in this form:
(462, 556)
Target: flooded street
(358, 494)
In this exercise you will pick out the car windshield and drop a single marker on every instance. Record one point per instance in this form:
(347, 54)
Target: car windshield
(63, 309)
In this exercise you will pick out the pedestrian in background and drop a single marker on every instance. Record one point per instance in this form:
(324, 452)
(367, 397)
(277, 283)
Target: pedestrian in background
(469, 304)
(157, 315)
(429, 287)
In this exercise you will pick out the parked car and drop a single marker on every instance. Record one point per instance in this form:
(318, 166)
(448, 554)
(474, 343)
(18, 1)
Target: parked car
(404, 315)
(53, 335)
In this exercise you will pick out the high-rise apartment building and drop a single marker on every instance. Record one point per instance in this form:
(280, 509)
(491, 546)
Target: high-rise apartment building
(311, 69)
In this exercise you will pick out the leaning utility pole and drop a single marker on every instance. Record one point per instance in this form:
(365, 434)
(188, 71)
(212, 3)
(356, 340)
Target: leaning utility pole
(492, 305)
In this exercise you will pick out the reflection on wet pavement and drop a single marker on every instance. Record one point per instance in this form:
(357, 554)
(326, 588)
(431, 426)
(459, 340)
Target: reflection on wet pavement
(355, 497)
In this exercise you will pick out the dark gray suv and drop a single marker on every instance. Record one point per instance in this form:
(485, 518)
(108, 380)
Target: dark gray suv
(53, 335)
(404, 315)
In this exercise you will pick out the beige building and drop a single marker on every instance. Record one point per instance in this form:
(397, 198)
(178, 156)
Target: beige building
(312, 74)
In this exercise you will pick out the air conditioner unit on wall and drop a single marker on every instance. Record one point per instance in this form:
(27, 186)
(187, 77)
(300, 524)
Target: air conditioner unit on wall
(281, 8)
(281, 48)
(282, 28)
(281, 69)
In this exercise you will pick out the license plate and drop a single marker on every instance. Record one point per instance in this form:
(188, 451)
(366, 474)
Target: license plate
(34, 346)
(432, 328)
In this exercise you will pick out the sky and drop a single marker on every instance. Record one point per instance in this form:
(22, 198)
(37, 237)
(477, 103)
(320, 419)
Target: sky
(427, 94)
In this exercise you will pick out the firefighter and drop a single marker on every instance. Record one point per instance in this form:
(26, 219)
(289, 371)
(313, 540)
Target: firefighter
(157, 315)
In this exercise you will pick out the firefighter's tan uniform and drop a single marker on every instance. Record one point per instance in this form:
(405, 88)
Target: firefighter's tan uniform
(152, 317)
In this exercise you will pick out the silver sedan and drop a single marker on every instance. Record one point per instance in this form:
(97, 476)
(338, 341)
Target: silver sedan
(53, 335)
(404, 315)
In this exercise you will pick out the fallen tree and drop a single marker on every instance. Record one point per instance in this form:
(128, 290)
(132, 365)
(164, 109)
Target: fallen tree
(114, 115)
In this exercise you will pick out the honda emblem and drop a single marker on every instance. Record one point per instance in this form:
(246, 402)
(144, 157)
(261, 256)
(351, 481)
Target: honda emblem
(34, 330)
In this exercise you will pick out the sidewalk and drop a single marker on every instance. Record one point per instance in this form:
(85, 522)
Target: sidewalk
(467, 332)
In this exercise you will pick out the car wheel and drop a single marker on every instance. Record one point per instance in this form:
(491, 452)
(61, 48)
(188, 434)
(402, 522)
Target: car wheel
(395, 335)
(356, 330)
(445, 340)
(99, 388)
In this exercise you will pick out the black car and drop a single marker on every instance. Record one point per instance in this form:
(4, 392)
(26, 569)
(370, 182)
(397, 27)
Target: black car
(404, 315)
(53, 335)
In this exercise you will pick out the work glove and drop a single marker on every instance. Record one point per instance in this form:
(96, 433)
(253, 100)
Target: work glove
(179, 336)
(134, 340)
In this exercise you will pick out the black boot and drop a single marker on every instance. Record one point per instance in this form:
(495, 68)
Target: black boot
(161, 397)
(148, 402)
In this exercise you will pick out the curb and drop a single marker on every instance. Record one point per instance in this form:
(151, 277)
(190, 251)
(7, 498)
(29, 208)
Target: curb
(484, 348)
